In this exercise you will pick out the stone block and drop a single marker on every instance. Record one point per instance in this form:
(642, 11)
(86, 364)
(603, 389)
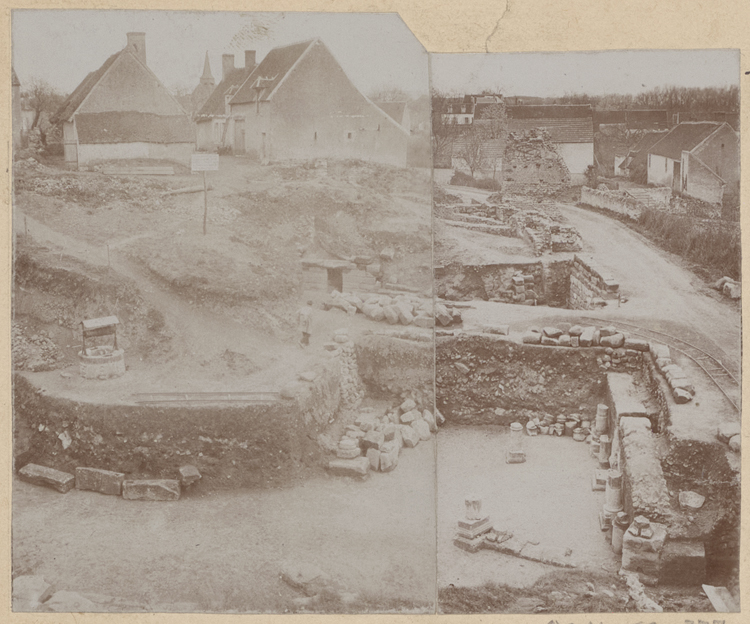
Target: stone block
(103, 481)
(615, 341)
(468, 545)
(728, 430)
(391, 314)
(515, 457)
(151, 489)
(48, 477)
(637, 544)
(532, 338)
(373, 456)
(188, 475)
(358, 467)
(428, 417)
(424, 321)
(389, 432)
(348, 443)
(471, 529)
(348, 453)
(501, 330)
(586, 338)
(422, 429)
(691, 500)
(552, 332)
(409, 436)
(682, 563)
(408, 405)
(637, 344)
(389, 457)
(373, 439)
(659, 351)
(410, 416)
(599, 481)
(550, 342)
(565, 340)
(681, 396)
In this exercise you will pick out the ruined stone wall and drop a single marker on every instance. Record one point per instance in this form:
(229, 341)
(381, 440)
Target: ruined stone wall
(618, 202)
(248, 446)
(590, 285)
(492, 282)
(531, 159)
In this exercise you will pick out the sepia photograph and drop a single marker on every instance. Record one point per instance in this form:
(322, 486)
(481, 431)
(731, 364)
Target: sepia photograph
(587, 265)
(222, 342)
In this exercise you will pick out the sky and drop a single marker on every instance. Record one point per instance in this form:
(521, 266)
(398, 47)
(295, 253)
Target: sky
(553, 74)
(61, 47)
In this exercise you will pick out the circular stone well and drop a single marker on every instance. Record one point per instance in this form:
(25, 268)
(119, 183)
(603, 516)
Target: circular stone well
(102, 362)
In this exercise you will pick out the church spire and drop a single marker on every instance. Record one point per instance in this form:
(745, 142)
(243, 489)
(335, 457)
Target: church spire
(207, 77)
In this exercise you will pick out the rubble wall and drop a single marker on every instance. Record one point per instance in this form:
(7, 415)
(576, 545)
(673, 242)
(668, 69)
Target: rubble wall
(249, 446)
(491, 282)
(618, 202)
(487, 379)
(397, 367)
(589, 284)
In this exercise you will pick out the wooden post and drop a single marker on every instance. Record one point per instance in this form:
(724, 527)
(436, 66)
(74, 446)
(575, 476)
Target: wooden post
(205, 203)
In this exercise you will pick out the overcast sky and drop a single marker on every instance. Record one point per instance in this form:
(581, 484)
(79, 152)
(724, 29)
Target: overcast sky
(596, 73)
(61, 47)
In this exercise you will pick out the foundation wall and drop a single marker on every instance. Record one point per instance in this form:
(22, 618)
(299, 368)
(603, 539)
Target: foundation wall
(590, 285)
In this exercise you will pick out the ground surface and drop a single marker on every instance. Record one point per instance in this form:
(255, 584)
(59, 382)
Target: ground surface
(223, 551)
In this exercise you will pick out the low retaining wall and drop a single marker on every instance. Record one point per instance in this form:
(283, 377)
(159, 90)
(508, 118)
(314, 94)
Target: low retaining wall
(590, 285)
(618, 202)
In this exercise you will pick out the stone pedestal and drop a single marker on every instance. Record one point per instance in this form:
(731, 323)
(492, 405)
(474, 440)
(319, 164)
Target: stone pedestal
(605, 448)
(642, 545)
(473, 508)
(601, 424)
(516, 454)
(471, 529)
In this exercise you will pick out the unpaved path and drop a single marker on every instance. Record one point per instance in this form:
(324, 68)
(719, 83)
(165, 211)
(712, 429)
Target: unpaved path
(223, 550)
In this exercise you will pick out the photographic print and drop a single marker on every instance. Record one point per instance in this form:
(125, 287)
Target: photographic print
(587, 258)
(222, 313)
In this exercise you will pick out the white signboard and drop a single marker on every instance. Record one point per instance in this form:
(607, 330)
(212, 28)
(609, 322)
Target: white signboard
(204, 162)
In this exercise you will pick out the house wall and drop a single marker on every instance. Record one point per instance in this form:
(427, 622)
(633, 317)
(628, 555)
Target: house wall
(129, 86)
(318, 113)
(577, 157)
(92, 152)
(724, 161)
(660, 170)
(699, 181)
(204, 136)
(70, 142)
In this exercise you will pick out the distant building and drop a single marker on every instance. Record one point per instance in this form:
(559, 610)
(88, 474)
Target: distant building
(459, 111)
(123, 111)
(214, 121)
(299, 104)
(203, 91)
(570, 127)
(17, 118)
(700, 159)
(634, 164)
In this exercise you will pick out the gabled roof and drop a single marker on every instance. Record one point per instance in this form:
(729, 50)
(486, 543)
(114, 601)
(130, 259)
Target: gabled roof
(395, 110)
(262, 82)
(575, 130)
(684, 137)
(215, 103)
(75, 99)
(639, 153)
(133, 127)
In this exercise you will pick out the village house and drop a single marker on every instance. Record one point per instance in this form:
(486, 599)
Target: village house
(214, 121)
(123, 111)
(571, 130)
(699, 159)
(299, 104)
(633, 165)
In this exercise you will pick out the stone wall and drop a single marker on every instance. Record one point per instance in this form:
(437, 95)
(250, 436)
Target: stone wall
(590, 285)
(618, 202)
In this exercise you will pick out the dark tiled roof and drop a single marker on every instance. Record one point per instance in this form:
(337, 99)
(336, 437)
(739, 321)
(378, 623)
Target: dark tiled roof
(133, 127)
(215, 103)
(492, 148)
(575, 130)
(270, 72)
(395, 110)
(683, 137)
(74, 100)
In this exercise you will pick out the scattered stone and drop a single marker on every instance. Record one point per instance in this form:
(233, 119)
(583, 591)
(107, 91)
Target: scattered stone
(532, 338)
(48, 477)
(430, 420)
(408, 405)
(681, 396)
(389, 457)
(615, 341)
(189, 474)
(357, 467)
(410, 416)
(373, 439)
(728, 430)
(735, 443)
(691, 500)
(103, 481)
(373, 456)
(410, 436)
(552, 332)
(422, 429)
(151, 489)
(29, 592)
(348, 453)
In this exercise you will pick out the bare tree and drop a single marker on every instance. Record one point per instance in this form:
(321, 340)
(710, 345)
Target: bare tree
(473, 150)
(444, 127)
(44, 100)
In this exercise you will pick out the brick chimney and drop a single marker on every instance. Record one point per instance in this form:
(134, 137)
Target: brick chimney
(249, 58)
(137, 45)
(227, 64)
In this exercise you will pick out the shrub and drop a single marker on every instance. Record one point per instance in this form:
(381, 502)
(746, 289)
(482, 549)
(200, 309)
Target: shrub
(462, 179)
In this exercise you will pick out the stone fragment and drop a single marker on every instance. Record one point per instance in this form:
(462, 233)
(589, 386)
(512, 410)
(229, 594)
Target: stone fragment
(728, 430)
(69, 602)
(681, 396)
(29, 592)
(691, 500)
(552, 332)
(373, 439)
(409, 436)
(151, 489)
(410, 416)
(407, 405)
(462, 367)
(430, 420)
(735, 443)
(348, 453)
(48, 477)
(391, 314)
(189, 474)
(103, 481)
(532, 338)
(565, 340)
(389, 457)
(422, 429)
(615, 341)
(373, 456)
(586, 338)
(550, 342)
(308, 376)
(349, 467)
(501, 330)
(637, 344)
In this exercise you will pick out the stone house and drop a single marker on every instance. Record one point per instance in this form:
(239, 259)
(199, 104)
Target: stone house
(571, 130)
(299, 104)
(700, 159)
(214, 121)
(123, 111)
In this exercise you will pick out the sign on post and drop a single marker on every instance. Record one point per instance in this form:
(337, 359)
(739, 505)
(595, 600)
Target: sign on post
(204, 162)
